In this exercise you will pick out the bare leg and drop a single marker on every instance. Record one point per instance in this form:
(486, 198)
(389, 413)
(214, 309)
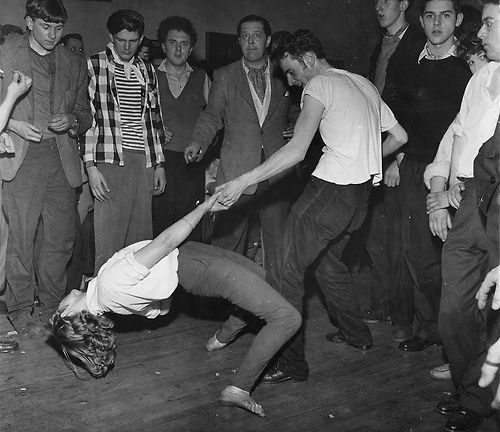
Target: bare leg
(234, 396)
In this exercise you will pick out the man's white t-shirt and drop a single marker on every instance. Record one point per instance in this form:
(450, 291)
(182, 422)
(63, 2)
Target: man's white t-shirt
(126, 287)
(351, 126)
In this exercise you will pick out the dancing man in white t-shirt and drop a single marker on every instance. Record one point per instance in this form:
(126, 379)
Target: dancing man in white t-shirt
(351, 116)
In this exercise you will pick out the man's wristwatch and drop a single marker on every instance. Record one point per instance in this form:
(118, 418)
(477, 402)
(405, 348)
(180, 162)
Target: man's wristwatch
(74, 127)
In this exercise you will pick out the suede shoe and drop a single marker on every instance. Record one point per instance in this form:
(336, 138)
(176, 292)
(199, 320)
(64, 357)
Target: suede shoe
(8, 345)
(449, 406)
(463, 420)
(341, 339)
(416, 344)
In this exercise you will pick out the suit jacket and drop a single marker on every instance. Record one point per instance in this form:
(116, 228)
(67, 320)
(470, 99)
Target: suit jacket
(404, 57)
(487, 170)
(70, 96)
(230, 104)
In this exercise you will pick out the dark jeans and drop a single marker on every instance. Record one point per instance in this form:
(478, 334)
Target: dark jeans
(380, 229)
(318, 229)
(271, 203)
(185, 186)
(417, 256)
(470, 250)
(213, 272)
(38, 198)
(126, 218)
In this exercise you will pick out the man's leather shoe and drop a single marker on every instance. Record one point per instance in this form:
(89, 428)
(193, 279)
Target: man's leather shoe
(448, 406)
(463, 420)
(275, 376)
(416, 344)
(340, 338)
(8, 345)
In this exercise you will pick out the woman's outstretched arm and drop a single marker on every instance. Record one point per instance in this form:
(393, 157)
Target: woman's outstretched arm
(175, 234)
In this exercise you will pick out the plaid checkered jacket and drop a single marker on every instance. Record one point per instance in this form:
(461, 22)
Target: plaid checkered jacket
(103, 141)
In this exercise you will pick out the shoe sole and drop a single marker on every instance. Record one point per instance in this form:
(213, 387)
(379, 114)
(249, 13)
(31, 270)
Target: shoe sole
(441, 376)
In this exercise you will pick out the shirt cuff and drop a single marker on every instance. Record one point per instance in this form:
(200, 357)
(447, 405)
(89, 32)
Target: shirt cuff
(436, 169)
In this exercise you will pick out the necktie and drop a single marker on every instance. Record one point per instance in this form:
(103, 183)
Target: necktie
(391, 39)
(258, 79)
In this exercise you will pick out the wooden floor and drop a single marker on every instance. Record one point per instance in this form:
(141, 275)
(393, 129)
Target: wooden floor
(164, 380)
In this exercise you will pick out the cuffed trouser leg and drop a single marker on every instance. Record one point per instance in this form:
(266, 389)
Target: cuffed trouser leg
(208, 271)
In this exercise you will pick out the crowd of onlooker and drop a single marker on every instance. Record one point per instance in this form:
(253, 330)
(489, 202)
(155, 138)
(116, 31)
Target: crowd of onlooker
(102, 152)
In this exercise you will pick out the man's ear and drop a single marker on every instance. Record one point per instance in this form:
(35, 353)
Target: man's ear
(110, 37)
(309, 58)
(421, 19)
(29, 23)
(268, 41)
(460, 18)
(403, 6)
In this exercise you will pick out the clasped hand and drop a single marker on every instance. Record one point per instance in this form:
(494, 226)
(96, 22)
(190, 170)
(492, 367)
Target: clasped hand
(61, 122)
(230, 192)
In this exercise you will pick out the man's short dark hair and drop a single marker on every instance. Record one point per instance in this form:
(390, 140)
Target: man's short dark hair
(299, 43)
(457, 6)
(177, 23)
(278, 39)
(69, 36)
(51, 11)
(255, 18)
(125, 19)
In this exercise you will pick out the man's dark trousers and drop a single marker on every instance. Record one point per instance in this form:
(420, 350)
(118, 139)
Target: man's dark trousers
(318, 229)
(39, 193)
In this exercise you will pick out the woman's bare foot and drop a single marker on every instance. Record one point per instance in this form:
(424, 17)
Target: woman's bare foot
(234, 396)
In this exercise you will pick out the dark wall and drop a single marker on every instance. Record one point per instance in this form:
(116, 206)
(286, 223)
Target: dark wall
(347, 28)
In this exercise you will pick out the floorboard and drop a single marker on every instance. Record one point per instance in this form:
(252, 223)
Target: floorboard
(164, 380)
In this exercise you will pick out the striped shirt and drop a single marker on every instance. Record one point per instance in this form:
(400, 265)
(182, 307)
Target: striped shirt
(103, 143)
(129, 99)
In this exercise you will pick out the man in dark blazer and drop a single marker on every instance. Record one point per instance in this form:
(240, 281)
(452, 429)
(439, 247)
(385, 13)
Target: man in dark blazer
(396, 52)
(472, 249)
(252, 103)
(40, 177)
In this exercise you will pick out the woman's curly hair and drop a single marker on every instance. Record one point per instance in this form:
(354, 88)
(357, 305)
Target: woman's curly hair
(87, 338)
